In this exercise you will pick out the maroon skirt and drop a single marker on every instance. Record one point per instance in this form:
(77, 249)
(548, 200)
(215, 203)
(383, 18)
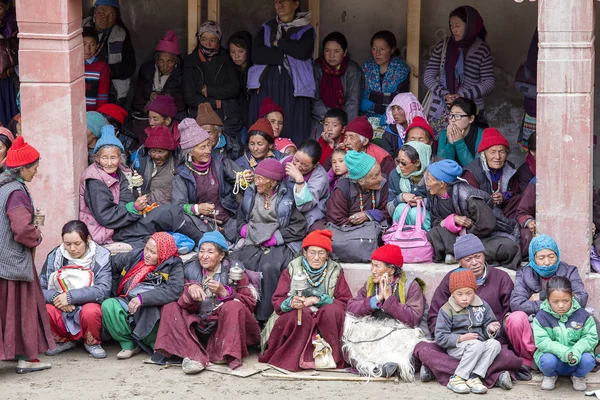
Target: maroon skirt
(24, 326)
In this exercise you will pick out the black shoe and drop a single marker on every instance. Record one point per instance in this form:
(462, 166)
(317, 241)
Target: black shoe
(523, 373)
(389, 369)
(425, 374)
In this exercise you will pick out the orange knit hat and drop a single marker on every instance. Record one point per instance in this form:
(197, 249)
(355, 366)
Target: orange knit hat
(462, 278)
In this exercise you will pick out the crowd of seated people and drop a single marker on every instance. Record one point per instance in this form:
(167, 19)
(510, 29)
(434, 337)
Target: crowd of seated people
(273, 209)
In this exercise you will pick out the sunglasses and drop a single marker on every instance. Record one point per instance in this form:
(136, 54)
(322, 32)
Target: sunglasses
(404, 164)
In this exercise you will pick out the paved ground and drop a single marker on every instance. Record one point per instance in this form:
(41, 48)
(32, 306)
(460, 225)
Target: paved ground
(74, 375)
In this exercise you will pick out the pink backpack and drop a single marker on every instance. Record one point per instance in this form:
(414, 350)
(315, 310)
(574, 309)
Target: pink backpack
(411, 239)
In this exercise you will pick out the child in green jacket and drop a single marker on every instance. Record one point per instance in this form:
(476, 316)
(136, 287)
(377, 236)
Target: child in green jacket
(565, 336)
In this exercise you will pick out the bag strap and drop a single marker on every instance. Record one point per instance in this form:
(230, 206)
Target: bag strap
(418, 219)
(402, 220)
(443, 57)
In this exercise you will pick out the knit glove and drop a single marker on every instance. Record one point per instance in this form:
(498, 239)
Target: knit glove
(244, 231)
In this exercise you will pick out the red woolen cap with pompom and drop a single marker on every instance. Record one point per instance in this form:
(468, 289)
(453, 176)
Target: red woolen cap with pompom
(21, 153)
(319, 238)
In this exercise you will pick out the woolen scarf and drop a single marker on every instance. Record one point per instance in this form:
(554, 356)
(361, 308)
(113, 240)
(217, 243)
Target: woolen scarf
(424, 151)
(86, 261)
(471, 139)
(543, 242)
(457, 50)
(331, 88)
(166, 249)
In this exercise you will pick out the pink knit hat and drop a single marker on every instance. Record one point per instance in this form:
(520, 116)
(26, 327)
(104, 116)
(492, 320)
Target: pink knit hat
(163, 105)
(191, 134)
(270, 168)
(169, 43)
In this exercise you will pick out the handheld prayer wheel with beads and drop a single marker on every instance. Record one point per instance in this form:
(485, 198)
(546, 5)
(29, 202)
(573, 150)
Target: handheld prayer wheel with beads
(298, 286)
(39, 217)
(136, 183)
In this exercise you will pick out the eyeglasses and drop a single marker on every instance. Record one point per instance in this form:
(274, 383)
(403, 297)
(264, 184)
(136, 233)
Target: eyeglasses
(404, 164)
(314, 254)
(456, 117)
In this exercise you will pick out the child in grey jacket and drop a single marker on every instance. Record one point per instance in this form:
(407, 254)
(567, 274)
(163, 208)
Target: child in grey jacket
(466, 328)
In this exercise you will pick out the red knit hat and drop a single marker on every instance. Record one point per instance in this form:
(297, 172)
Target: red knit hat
(361, 126)
(113, 110)
(264, 126)
(21, 153)
(163, 105)
(319, 238)
(492, 137)
(419, 122)
(462, 278)
(160, 137)
(389, 253)
(268, 106)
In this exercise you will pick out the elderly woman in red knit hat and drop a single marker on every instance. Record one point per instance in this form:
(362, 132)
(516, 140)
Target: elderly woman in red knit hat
(163, 75)
(204, 182)
(358, 136)
(494, 174)
(390, 293)
(270, 229)
(25, 327)
(157, 164)
(260, 145)
(288, 334)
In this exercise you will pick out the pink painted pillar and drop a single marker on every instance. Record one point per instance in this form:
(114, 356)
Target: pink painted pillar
(53, 108)
(565, 120)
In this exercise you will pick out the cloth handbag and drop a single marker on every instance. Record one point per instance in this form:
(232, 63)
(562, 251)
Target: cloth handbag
(71, 277)
(411, 239)
(355, 243)
(184, 243)
(426, 103)
(322, 354)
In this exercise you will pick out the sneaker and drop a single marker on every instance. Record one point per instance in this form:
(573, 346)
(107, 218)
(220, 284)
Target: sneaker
(425, 373)
(450, 259)
(191, 367)
(504, 381)
(60, 347)
(579, 383)
(125, 354)
(458, 385)
(549, 382)
(24, 366)
(476, 386)
(95, 350)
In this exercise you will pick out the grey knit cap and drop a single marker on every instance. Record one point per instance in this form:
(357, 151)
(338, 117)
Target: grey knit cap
(467, 245)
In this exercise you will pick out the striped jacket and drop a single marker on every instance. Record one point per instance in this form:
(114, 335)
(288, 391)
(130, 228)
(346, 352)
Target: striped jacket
(97, 84)
(478, 76)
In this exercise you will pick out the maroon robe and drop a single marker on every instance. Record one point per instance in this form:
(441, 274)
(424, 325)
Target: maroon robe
(290, 345)
(236, 328)
(496, 292)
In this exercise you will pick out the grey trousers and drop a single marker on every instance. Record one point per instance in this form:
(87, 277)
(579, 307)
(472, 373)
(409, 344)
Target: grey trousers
(475, 357)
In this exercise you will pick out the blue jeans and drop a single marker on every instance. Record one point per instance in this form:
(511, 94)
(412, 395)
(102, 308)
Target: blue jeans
(550, 365)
